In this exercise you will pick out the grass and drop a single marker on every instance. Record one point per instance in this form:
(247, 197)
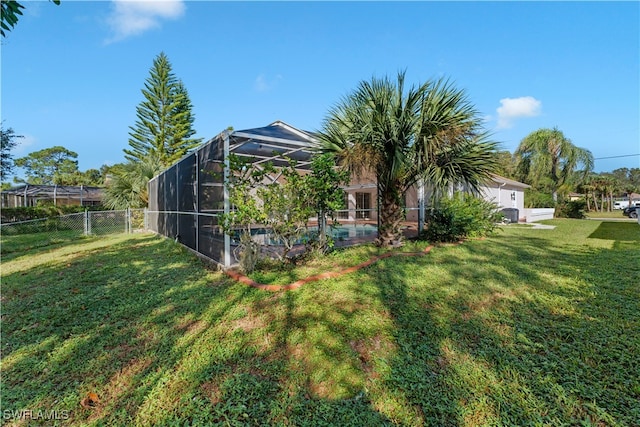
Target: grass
(617, 214)
(25, 242)
(271, 271)
(529, 327)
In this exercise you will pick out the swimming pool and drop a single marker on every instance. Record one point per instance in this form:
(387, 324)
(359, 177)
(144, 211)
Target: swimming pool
(351, 231)
(343, 232)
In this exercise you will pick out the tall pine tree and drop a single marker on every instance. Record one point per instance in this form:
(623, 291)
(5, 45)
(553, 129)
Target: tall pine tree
(165, 122)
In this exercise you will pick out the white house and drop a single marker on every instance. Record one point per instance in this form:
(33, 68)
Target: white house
(506, 193)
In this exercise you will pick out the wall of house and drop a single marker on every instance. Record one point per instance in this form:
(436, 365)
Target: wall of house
(411, 204)
(505, 196)
(538, 214)
(356, 191)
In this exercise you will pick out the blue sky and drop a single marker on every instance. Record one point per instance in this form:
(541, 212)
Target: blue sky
(72, 74)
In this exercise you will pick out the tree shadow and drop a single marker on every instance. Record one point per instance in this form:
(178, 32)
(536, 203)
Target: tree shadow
(160, 340)
(619, 231)
(86, 324)
(470, 339)
(483, 333)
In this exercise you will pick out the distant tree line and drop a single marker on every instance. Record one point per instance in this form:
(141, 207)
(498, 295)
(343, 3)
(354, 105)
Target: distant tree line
(556, 169)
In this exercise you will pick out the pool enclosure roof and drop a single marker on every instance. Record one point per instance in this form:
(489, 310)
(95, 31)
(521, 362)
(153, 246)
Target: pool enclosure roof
(273, 143)
(62, 191)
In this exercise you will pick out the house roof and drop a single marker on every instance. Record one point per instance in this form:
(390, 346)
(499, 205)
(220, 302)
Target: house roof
(502, 180)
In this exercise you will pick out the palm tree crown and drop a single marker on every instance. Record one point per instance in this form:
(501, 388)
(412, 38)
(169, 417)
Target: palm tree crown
(546, 155)
(428, 132)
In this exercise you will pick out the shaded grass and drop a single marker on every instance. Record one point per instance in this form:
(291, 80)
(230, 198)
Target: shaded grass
(10, 244)
(271, 271)
(530, 327)
(616, 214)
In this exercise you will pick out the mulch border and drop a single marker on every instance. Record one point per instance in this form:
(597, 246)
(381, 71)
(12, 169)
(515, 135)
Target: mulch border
(239, 277)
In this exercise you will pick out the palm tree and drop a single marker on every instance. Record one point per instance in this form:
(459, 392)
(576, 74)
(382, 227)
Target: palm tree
(429, 132)
(128, 188)
(600, 185)
(587, 188)
(613, 186)
(548, 154)
(630, 188)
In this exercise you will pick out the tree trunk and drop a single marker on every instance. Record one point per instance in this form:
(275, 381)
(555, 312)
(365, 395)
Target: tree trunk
(391, 216)
(322, 229)
(611, 202)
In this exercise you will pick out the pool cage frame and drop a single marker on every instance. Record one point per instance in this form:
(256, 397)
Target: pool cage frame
(186, 200)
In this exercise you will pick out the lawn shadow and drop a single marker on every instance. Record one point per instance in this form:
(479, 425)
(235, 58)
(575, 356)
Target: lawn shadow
(481, 345)
(142, 325)
(300, 365)
(619, 231)
(115, 321)
(507, 331)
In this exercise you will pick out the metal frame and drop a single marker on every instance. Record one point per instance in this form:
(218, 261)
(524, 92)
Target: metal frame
(284, 140)
(58, 193)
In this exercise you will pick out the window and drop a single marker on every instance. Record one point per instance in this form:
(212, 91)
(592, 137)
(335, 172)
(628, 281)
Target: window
(363, 205)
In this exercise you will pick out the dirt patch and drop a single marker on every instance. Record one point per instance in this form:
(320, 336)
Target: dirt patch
(212, 391)
(488, 301)
(248, 323)
(121, 384)
(239, 277)
(368, 349)
(190, 326)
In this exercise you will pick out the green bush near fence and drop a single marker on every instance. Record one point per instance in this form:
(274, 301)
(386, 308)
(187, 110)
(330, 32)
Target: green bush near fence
(26, 213)
(44, 226)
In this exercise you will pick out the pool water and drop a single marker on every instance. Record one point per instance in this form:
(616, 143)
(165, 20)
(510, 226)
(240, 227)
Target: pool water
(350, 231)
(339, 233)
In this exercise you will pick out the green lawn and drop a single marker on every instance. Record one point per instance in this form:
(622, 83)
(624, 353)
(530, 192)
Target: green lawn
(529, 327)
(615, 215)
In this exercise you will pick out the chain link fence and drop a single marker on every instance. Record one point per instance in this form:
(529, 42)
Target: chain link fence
(16, 236)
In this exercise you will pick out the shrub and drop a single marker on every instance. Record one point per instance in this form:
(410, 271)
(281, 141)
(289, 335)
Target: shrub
(461, 217)
(538, 199)
(572, 209)
(27, 213)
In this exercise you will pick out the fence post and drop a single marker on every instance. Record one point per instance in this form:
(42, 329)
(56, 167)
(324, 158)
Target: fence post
(127, 221)
(88, 227)
(227, 202)
(420, 206)
(84, 222)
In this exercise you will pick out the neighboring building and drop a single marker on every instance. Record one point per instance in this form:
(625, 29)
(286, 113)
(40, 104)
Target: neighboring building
(632, 196)
(575, 196)
(59, 195)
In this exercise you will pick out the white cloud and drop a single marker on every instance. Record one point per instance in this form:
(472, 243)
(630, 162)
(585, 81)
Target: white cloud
(514, 108)
(130, 18)
(22, 147)
(264, 84)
